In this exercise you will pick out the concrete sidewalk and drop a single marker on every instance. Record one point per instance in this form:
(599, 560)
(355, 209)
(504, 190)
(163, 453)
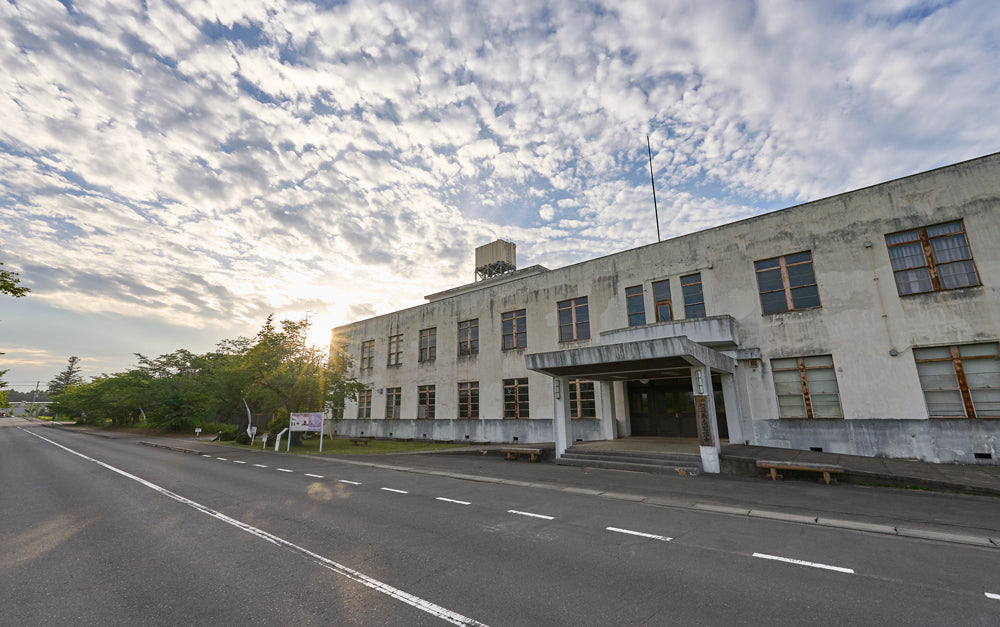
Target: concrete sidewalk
(904, 473)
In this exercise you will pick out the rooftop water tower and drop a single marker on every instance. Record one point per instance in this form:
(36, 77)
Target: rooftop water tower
(495, 258)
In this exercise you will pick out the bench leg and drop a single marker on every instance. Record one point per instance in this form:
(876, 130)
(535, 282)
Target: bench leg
(774, 474)
(511, 456)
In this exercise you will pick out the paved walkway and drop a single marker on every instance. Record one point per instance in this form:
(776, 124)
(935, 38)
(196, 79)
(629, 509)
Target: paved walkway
(904, 473)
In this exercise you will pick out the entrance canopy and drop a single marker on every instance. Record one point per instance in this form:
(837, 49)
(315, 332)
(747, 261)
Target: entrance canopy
(647, 359)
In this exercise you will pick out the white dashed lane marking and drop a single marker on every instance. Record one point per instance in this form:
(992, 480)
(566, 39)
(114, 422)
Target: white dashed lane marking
(260, 465)
(285, 470)
(222, 459)
(639, 533)
(238, 461)
(542, 516)
(395, 490)
(209, 456)
(789, 560)
(314, 476)
(990, 595)
(441, 498)
(350, 482)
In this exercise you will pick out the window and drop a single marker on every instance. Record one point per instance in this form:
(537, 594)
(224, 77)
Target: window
(515, 327)
(634, 306)
(960, 381)
(574, 321)
(661, 301)
(694, 298)
(515, 398)
(367, 352)
(364, 404)
(468, 400)
(581, 399)
(393, 399)
(932, 259)
(787, 283)
(468, 337)
(425, 402)
(806, 387)
(428, 345)
(395, 350)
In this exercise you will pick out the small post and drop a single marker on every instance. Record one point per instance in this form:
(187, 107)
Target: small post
(277, 439)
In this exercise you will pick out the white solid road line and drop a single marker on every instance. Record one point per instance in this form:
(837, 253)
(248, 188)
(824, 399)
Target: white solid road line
(284, 470)
(639, 533)
(441, 498)
(789, 560)
(990, 595)
(514, 511)
(314, 476)
(260, 465)
(394, 490)
(350, 482)
(414, 601)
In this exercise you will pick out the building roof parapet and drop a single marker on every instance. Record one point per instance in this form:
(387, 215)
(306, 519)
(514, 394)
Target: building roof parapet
(485, 283)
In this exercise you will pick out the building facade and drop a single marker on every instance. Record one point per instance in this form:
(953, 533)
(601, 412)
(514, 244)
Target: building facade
(867, 323)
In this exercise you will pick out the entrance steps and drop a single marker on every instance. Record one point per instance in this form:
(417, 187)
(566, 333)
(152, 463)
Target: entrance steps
(640, 461)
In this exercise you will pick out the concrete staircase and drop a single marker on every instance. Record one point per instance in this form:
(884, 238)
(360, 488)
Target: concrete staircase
(640, 461)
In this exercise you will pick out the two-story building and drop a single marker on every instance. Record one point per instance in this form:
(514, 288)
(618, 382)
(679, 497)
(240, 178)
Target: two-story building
(867, 323)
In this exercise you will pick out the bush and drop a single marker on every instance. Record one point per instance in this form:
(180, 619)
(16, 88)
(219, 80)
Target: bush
(280, 422)
(227, 433)
(242, 438)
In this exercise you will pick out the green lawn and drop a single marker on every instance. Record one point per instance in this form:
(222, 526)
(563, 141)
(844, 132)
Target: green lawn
(341, 446)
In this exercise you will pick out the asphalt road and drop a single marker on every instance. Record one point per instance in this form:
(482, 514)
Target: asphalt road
(100, 531)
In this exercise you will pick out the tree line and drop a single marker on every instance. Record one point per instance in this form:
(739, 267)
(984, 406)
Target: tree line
(273, 373)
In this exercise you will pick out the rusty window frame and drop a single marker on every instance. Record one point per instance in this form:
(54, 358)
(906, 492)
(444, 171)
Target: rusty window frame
(967, 387)
(514, 329)
(661, 300)
(428, 344)
(574, 319)
(794, 291)
(425, 402)
(395, 356)
(367, 354)
(515, 398)
(582, 399)
(364, 404)
(808, 372)
(393, 402)
(468, 337)
(635, 307)
(468, 400)
(906, 268)
(694, 295)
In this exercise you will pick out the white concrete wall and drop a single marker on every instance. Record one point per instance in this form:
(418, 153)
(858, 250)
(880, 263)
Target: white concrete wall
(849, 325)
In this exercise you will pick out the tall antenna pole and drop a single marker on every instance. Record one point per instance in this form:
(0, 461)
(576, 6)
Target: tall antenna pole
(656, 211)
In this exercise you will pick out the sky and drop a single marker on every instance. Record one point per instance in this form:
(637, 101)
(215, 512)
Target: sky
(171, 173)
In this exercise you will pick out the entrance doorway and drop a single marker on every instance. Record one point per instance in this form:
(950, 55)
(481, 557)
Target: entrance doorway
(665, 408)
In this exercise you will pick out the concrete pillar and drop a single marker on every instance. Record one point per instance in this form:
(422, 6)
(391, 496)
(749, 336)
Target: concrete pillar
(708, 429)
(562, 428)
(622, 425)
(607, 411)
(734, 413)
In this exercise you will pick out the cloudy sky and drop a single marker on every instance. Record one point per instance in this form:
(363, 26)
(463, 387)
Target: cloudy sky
(172, 172)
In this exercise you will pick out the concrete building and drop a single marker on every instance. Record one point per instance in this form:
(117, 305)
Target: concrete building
(866, 323)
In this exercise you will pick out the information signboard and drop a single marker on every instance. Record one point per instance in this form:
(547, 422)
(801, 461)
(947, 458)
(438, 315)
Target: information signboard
(306, 421)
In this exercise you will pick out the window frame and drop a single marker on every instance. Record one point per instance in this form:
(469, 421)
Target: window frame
(965, 389)
(393, 402)
(469, 345)
(425, 402)
(427, 347)
(517, 320)
(468, 407)
(806, 395)
(786, 288)
(395, 355)
(367, 355)
(581, 396)
(694, 298)
(931, 263)
(365, 405)
(574, 306)
(635, 306)
(516, 405)
(659, 303)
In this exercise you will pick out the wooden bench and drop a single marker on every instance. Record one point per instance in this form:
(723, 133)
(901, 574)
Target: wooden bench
(826, 469)
(512, 453)
(360, 441)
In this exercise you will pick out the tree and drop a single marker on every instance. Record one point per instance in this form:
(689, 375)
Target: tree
(69, 376)
(8, 284)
